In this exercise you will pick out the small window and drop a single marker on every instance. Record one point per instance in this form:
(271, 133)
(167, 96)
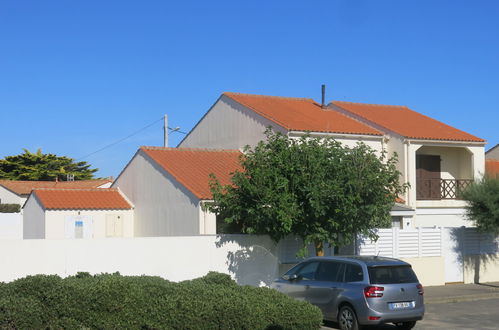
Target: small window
(78, 229)
(353, 273)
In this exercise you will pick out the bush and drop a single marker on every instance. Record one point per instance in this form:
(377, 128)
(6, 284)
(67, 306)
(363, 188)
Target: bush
(10, 208)
(111, 301)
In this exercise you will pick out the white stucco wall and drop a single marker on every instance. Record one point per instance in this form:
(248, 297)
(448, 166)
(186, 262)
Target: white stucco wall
(228, 125)
(33, 219)
(441, 217)
(8, 197)
(251, 260)
(55, 222)
(163, 207)
(11, 226)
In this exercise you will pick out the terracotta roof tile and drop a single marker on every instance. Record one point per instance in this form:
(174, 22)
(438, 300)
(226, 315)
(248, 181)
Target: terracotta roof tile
(81, 199)
(25, 187)
(301, 114)
(406, 122)
(192, 167)
(492, 167)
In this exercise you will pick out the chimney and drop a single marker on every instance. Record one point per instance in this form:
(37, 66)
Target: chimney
(323, 104)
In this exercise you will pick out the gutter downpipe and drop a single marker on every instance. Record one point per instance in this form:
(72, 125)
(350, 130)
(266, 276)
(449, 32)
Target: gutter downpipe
(406, 174)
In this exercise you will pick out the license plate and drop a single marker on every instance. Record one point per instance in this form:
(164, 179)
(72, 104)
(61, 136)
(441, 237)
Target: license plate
(401, 305)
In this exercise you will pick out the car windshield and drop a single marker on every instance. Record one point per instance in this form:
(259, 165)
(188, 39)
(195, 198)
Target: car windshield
(392, 275)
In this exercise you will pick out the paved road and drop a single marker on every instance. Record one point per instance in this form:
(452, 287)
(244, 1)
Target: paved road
(481, 314)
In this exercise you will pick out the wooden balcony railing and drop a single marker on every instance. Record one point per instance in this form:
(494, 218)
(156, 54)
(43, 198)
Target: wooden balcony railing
(438, 189)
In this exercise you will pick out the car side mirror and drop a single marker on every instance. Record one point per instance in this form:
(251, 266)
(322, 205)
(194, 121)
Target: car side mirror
(291, 277)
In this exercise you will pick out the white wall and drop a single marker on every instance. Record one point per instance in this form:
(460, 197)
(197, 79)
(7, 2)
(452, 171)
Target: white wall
(33, 219)
(163, 207)
(228, 125)
(55, 222)
(250, 260)
(8, 197)
(11, 226)
(441, 217)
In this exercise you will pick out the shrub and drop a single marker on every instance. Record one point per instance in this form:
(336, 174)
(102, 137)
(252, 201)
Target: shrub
(111, 301)
(10, 208)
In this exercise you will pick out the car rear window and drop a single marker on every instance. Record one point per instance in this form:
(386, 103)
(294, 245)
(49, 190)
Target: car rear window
(391, 275)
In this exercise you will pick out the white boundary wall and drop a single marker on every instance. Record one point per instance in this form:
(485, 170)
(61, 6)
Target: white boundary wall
(11, 226)
(249, 260)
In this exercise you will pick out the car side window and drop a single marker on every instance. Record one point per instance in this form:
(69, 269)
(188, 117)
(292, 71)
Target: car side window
(353, 273)
(330, 271)
(308, 270)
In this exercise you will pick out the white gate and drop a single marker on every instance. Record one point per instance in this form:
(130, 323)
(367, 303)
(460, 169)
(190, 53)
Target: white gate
(452, 252)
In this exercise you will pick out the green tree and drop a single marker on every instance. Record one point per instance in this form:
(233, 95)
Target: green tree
(43, 167)
(483, 204)
(314, 188)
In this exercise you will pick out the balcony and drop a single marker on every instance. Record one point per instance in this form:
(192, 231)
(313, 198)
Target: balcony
(439, 189)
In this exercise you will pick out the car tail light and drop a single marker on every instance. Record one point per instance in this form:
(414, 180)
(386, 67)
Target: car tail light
(373, 318)
(420, 289)
(373, 291)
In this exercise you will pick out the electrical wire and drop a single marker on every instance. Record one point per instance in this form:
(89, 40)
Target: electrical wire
(129, 136)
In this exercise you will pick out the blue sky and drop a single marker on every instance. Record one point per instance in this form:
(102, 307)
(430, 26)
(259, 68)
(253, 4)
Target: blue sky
(76, 76)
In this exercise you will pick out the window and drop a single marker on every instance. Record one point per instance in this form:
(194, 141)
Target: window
(305, 271)
(78, 229)
(353, 273)
(392, 274)
(330, 271)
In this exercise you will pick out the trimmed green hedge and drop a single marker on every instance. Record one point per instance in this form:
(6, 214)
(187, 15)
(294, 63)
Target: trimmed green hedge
(10, 208)
(112, 301)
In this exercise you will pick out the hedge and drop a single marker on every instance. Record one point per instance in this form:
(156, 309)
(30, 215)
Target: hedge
(112, 301)
(10, 208)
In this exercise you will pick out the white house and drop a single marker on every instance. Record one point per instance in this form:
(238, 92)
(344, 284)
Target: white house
(77, 213)
(436, 159)
(169, 185)
(16, 192)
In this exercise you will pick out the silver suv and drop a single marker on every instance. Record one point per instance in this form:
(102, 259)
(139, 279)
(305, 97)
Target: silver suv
(357, 290)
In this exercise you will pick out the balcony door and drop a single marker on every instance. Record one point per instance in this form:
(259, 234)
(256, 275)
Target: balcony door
(428, 177)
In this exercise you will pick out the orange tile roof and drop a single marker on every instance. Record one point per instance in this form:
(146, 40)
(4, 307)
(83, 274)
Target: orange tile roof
(301, 114)
(192, 167)
(406, 122)
(25, 187)
(82, 199)
(492, 167)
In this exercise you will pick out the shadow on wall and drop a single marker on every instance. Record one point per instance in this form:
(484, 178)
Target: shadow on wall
(476, 251)
(255, 260)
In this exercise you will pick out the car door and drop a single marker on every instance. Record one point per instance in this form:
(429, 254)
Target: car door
(296, 282)
(324, 289)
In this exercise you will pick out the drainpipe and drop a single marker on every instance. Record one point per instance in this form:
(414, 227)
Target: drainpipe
(406, 174)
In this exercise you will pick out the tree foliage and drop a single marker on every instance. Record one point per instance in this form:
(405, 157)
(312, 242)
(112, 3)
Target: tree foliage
(314, 188)
(43, 167)
(483, 204)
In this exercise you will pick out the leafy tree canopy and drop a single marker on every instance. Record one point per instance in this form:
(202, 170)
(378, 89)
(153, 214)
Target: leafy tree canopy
(43, 167)
(483, 204)
(314, 188)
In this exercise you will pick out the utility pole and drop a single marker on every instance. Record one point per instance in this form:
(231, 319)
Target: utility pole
(165, 131)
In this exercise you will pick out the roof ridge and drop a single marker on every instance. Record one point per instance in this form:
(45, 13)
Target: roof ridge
(75, 189)
(372, 104)
(270, 96)
(188, 149)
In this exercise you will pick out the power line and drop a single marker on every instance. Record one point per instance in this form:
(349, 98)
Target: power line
(128, 136)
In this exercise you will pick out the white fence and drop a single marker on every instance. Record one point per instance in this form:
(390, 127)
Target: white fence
(407, 243)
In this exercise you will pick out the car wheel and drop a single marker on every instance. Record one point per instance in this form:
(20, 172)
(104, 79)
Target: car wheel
(347, 320)
(405, 325)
